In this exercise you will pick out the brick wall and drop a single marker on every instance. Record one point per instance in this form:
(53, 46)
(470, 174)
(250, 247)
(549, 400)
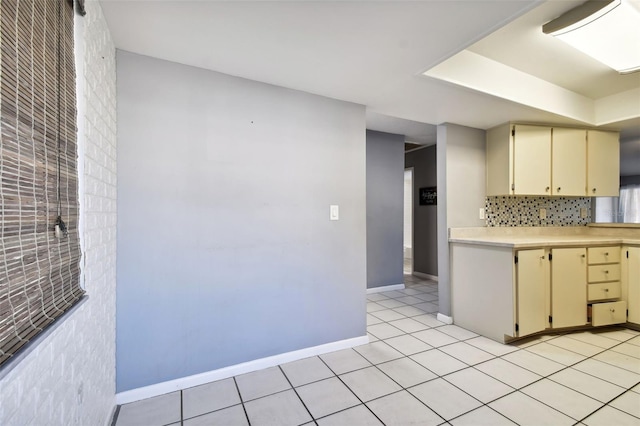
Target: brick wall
(69, 379)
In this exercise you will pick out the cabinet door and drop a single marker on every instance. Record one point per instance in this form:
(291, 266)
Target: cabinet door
(569, 287)
(532, 160)
(531, 276)
(603, 164)
(633, 284)
(569, 162)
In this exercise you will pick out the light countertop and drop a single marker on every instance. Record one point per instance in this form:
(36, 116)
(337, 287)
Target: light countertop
(542, 237)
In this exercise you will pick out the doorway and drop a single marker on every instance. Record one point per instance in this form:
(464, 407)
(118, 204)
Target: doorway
(408, 222)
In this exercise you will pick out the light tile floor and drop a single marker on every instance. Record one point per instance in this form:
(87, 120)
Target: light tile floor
(419, 371)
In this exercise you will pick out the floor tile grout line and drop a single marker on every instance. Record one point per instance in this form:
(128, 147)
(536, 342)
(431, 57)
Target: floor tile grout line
(608, 404)
(490, 408)
(351, 390)
(587, 358)
(116, 413)
(561, 347)
(624, 390)
(181, 408)
(246, 415)
(297, 394)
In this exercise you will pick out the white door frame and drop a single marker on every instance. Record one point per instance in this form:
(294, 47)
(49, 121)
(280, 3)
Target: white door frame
(411, 169)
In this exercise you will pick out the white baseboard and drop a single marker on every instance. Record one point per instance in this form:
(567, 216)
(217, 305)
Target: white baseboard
(234, 370)
(425, 276)
(385, 288)
(444, 318)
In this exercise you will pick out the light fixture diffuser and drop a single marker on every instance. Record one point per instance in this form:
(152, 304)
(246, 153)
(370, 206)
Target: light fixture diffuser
(606, 30)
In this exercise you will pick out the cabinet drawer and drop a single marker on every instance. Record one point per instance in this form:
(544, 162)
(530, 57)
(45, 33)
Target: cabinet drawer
(603, 255)
(599, 273)
(603, 291)
(608, 313)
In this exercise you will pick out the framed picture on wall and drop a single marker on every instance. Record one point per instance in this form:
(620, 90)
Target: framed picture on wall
(428, 196)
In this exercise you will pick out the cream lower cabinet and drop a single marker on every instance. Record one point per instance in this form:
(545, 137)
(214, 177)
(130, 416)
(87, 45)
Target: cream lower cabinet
(631, 282)
(532, 283)
(605, 286)
(568, 287)
(505, 294)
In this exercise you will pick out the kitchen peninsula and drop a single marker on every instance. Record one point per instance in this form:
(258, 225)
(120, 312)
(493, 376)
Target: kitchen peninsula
(512, 282)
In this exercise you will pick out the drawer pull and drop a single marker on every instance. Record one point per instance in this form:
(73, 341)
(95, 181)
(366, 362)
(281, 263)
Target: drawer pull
(606, 253)
(612, 310)
(606, 272)
(546, 189)
(606, 290)
(583, 255)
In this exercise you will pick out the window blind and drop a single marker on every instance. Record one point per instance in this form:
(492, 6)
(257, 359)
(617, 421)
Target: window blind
(39, 273)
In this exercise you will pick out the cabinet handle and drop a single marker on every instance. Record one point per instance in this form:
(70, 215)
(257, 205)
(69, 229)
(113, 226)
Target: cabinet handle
(547, 189)
(606, 254)
(612, 310)
(606, 290)
(558, 189)
(606, 272)
(542, 257)
(594, 190)
(583, 255)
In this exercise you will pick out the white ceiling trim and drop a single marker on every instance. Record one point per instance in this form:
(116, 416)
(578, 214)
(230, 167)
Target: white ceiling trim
(479, 73)
(618, 107)
(485, 75)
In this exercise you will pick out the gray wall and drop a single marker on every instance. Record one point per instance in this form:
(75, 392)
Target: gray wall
(385, 188)
(630, 157)
(630, 180)
(425, 218)
(226, 253)
(461, 162)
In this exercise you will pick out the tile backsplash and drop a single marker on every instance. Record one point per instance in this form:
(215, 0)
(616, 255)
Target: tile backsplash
(525, 211)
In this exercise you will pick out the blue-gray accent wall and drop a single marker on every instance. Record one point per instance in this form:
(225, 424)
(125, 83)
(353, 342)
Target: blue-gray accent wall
(385, 189)
(226, 253)
(425, 218)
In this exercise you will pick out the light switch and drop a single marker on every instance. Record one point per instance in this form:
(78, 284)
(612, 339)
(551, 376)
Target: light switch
(481, 213)
(583, 212)
(543, 213)
(334, 212)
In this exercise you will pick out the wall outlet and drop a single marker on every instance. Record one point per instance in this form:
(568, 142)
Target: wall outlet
(543, 213)
(583, 212)
(481, 213)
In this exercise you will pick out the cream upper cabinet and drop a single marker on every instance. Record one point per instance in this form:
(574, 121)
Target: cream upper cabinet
(541, 160)
(531, 160)
(603, 164)
(532, 278)
(499, 160)
(568, 287)
(568, 162)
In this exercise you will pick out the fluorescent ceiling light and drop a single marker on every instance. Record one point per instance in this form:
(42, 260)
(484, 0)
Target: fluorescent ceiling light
(606, 30)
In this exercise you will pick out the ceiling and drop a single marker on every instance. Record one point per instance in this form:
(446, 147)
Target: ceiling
(374, 53)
